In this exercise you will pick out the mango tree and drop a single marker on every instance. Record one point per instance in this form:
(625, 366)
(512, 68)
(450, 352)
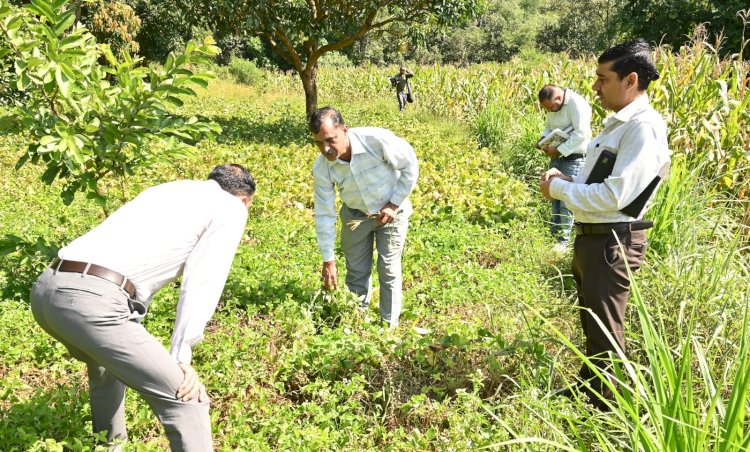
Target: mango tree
(301, 31)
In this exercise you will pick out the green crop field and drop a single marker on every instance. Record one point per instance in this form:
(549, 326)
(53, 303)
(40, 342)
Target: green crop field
(291, 367)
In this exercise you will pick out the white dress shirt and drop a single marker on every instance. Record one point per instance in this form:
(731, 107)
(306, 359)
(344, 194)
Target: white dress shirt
(383, 168)
(188, 228)
(638, 135)
(576, 112)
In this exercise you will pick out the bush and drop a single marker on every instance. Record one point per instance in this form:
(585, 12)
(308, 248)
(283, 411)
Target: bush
(335, 59)
(246, 72)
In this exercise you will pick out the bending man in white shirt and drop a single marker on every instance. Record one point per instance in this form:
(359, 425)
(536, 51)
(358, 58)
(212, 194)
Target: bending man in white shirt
(94, 295)
(374, 171)
(567, 111)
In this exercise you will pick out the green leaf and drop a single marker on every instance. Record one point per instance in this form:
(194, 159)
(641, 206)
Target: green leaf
(65, 21)
(107, 52)
(23, 81)
(42, 10)
(47, 139)
(21, 161)
(63, 82)
(49, 176)
(10, 244)
(70, 42)
(13, 23)
(199, 81)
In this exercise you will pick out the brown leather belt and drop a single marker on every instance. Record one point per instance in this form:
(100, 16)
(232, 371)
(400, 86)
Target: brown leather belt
(95, 270)
(607, 228)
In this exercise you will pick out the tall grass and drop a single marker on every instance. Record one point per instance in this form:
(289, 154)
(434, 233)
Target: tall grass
(683, 388)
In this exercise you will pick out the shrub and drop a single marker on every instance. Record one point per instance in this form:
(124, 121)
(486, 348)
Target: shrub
(246, 72)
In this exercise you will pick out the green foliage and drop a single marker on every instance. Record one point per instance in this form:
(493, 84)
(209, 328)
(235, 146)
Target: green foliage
(301, 33)
(88, 120)
(26, 258)
(116, 24)
(567, 30)
(165, 27)
(246, 72)
(489, 328)
(673, 21)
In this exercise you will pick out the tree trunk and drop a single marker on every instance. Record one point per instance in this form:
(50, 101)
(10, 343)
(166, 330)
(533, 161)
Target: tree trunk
(309, 78)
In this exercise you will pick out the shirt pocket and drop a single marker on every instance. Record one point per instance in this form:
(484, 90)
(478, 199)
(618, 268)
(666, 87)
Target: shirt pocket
(374, 173)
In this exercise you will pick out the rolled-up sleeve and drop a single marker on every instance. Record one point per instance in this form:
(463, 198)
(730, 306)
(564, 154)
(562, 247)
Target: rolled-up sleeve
(204, 276)
(325, 209)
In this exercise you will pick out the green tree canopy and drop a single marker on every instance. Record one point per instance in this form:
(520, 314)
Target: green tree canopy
(302, 31)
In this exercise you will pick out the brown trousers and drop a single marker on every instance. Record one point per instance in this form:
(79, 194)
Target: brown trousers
(601, 275)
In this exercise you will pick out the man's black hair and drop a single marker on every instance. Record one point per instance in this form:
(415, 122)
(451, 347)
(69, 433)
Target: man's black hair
(547, 92)
(234, 179)
(632, 56)
(321, 114)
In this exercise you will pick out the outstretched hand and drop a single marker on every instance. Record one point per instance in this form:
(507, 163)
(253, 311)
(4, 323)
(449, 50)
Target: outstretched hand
(546, 180)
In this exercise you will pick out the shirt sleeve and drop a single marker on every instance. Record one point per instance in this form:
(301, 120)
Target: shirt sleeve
(581, 122)
(399, 154)
(325, 209)
(636, 166)
(203, 279)
(547, 128)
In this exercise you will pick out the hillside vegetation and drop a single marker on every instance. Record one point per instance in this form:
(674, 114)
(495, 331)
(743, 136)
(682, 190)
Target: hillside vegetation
(291, 367)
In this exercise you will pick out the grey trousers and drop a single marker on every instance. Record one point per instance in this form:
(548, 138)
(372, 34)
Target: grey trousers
(358, 232)
(91, 317)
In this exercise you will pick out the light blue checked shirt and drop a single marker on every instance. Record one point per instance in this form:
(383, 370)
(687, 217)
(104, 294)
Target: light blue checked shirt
(383, 169)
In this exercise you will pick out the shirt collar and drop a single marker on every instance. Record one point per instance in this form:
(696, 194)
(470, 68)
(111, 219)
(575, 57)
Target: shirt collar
(632, 108)
(356, 145)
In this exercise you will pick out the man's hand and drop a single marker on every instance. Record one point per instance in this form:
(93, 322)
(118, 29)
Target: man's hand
(550, 151)
(329, 275)
(544, 187)
(546, 180)
(549, 174)
(388, 214)
(191, 386)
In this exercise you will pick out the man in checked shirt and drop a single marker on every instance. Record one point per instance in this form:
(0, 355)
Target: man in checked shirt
(374, 171)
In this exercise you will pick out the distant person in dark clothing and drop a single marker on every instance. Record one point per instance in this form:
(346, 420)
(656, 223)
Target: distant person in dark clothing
(403, 89)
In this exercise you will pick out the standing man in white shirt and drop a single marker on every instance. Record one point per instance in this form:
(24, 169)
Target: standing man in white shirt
(624, 165)
(94, 295)
(570, 112)
(374, 171)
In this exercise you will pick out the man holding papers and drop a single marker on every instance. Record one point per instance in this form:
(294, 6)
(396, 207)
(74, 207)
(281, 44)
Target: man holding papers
(565, 137)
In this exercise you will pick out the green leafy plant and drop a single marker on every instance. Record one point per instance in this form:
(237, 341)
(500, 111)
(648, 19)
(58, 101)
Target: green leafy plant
(88, 120)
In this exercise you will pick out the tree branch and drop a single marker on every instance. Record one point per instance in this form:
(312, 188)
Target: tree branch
(292, 52)
(367, 26)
